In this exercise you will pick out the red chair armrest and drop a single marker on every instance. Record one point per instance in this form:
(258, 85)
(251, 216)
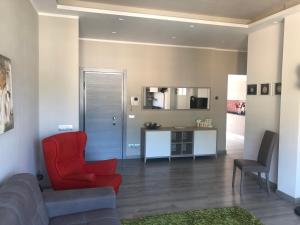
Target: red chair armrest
(89, 177)
(105, 167)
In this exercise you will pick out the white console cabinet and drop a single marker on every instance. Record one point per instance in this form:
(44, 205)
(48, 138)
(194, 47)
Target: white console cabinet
(184, 142)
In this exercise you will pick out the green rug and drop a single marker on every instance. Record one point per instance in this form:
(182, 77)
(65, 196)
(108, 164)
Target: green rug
(222, 216)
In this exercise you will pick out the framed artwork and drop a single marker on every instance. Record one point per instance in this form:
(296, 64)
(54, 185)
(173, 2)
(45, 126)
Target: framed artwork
(6, 101)
(252, 89)
(265, 89)
(277, 88)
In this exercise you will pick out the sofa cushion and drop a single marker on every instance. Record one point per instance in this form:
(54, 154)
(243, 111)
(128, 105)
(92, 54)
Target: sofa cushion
(79, 200)
(95, 217)
(21, 202)
(8, 216)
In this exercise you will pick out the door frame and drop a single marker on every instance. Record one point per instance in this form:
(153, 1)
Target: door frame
(124, 100)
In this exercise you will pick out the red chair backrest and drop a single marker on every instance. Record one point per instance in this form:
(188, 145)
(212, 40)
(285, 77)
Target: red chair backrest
(64, 154)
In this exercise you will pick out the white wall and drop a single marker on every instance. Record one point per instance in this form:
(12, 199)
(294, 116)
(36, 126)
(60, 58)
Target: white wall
(237, 87)
(19, 42)
(59, 74)
(289, 147)
(262, 112)
(167, 67)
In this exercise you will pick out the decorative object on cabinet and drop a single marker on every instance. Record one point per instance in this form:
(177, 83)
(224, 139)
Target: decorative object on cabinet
(265, 89)
(252, 89)
(206, 123)
(169, 142)
(198, 122)
(277, 88)
(152, 125)
(6, 99)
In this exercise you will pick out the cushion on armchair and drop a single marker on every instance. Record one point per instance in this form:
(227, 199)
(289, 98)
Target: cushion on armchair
(90, 177)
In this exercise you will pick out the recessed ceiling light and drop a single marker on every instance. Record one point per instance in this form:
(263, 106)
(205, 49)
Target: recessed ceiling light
(114, 32)
(192, 25)
(121, 19)
(275, 22)
(173, 37)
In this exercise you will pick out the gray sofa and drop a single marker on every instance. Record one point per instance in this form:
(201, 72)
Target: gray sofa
(22, 203)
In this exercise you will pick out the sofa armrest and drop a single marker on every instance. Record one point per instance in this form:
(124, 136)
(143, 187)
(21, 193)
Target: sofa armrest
(78, 200)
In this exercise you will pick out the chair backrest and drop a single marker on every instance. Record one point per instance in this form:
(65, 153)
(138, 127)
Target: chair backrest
(64, 154)
(21, 202)
(267, 147)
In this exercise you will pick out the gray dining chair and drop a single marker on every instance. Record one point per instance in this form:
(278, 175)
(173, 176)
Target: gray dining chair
(263, 162)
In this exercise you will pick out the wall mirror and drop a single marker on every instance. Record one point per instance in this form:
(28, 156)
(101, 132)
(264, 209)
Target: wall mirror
(157, 98)
(176, 98)
(191, 98)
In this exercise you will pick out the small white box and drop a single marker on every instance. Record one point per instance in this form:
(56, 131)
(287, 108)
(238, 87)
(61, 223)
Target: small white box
(65, 127)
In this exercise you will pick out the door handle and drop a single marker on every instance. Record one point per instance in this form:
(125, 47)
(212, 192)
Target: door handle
(114, 118)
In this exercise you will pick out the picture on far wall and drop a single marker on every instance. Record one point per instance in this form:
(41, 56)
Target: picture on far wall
(252, 89)
(6, 101)
(277, 88)
(265, 89)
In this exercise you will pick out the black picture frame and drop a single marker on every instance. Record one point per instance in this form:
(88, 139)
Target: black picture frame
(265, 89)
(277, 88)
(252, 89)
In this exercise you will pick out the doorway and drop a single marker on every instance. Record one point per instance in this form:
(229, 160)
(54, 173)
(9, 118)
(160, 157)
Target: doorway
(102, 111)
(236, 112)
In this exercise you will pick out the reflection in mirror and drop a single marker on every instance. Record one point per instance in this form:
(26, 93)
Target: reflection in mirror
(191, 98)
(157, 98)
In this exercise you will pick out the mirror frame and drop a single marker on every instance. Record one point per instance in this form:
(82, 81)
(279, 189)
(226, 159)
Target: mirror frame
(171, 106)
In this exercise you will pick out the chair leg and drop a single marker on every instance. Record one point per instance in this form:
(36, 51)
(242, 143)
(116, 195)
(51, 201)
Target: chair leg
(242, 181)
(259, 179)
(233, 176)
(267, 182)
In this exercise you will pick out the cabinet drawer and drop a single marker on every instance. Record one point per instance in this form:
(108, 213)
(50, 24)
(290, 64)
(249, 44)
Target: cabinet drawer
(158, 144)
(205, 142)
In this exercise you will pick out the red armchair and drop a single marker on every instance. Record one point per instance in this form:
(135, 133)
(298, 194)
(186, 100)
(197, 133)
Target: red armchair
(67, 169)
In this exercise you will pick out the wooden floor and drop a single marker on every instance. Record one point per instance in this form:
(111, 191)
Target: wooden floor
(161, 187)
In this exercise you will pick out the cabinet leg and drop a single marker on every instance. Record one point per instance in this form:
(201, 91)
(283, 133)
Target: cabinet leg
(145, 160)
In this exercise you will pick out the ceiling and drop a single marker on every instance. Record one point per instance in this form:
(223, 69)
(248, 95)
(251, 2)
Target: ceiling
(240, 9)
(160, 31)
(171, 22)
